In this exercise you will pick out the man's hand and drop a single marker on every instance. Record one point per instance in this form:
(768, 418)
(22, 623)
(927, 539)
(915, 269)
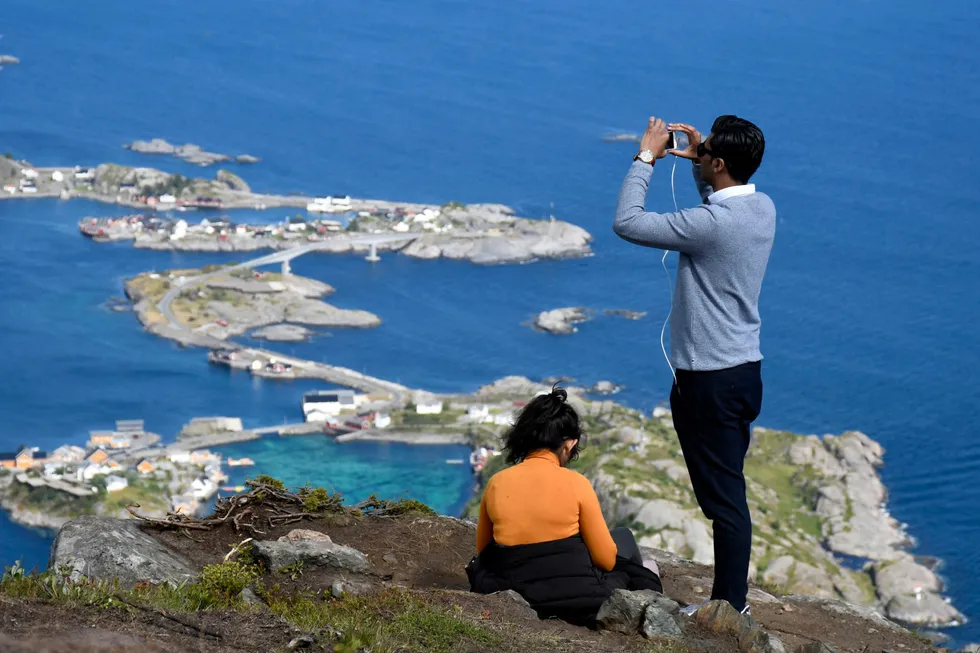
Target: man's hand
(655, 138)
(693, 139)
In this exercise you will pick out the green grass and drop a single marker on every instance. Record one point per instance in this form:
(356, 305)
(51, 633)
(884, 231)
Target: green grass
(391, 621)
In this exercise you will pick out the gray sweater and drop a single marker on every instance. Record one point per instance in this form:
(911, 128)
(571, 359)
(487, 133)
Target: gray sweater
(724, 249)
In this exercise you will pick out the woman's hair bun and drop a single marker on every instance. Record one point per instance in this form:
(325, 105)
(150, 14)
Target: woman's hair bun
(559, 393)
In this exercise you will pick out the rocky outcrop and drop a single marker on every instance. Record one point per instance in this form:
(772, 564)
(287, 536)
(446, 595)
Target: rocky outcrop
(8, 60)
(110, 180)
(189, 152)
(102, 548)
(561, 320)
(283, 333)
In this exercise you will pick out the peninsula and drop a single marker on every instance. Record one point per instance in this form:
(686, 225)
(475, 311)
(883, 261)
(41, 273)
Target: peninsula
(480, 233)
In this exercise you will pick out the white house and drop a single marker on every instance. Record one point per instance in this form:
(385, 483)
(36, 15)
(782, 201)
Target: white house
(202, 487)
(29, 173)
(115, 483)
(179, 231)
(84, 174)
(503, 419)
(328, 402)
(478, 413)
(57, 175)
(67, 454)
(428, 407)
(180, 457)
(382, 421)
(401, 227)
(90, 471)
(168, 199)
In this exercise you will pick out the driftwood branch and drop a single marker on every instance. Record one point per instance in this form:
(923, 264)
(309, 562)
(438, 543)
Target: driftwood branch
(163, 613)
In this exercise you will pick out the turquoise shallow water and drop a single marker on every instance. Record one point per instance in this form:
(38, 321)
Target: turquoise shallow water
(869, 307)
(359, 469)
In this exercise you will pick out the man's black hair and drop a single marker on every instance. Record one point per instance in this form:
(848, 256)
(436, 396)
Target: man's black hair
(545, 423)
(740, 144)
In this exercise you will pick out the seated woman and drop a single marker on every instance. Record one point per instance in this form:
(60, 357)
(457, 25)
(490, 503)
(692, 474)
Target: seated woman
(541, 531)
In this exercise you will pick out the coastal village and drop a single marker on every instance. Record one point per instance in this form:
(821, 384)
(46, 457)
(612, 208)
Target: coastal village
(114, 469)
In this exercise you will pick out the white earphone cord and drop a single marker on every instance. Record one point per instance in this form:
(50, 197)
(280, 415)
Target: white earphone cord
(670, 285)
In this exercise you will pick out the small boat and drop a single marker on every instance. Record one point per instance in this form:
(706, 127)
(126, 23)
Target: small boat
(240, 462)
(236, 488)
(454, 461)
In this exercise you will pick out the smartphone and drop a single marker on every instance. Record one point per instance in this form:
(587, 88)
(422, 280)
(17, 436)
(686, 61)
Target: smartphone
(677, 141)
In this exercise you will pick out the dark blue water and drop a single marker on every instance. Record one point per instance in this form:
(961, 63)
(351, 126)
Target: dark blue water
(869, 305)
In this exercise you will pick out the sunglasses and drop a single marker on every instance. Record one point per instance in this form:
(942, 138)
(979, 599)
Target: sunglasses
(702, 150)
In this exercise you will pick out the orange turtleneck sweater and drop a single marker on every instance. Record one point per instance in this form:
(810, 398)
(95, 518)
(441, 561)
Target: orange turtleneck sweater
(538, 500)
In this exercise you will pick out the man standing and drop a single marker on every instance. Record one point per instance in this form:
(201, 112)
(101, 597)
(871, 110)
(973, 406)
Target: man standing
(723, 247)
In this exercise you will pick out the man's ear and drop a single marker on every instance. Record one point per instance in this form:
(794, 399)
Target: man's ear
(717, 165)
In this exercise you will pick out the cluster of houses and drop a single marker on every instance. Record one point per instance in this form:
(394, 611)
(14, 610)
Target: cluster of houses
(29, 177)
(330, 406)
(192, 476)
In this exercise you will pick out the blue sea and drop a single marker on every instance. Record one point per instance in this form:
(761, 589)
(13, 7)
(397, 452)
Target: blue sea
(869, 307)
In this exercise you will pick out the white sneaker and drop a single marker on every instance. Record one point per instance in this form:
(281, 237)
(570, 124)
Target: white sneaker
(689, 610)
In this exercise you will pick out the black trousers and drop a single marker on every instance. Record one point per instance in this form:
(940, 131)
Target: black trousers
(626, 546)
(713, 412)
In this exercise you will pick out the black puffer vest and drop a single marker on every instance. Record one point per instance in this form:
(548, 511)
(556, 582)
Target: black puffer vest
(557, 578)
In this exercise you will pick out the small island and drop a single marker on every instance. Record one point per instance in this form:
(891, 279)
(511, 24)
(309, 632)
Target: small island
(562, 321)
(8, 60)
(219, 302)
(189, 152)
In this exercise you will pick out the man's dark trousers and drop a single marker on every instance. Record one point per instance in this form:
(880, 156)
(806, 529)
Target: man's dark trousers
(713, 412)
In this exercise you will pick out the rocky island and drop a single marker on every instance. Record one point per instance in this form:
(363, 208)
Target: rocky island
(562, 321)
(8, 60)
(220, 302)
(189, 152)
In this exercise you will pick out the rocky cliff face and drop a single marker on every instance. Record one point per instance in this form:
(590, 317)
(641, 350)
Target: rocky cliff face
(812, 500)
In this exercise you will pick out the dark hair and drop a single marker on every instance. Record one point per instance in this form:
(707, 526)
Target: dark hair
(545, 423)
(740, 144)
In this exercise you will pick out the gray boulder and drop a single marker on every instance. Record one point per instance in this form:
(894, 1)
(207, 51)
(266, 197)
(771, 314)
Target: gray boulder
(311, 553)
(102, 548)
(623, 611)
(659, 621)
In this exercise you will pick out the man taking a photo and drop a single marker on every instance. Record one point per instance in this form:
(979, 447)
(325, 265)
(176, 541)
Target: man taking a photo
(723, 248)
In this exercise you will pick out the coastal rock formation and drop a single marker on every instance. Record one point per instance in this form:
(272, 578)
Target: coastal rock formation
(110, 180)
(101, 548)
(283, 333)
(189, 152)
(561, 320)
(8, 60)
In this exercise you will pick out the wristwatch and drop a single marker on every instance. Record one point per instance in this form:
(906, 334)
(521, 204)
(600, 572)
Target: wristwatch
(646, 156)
